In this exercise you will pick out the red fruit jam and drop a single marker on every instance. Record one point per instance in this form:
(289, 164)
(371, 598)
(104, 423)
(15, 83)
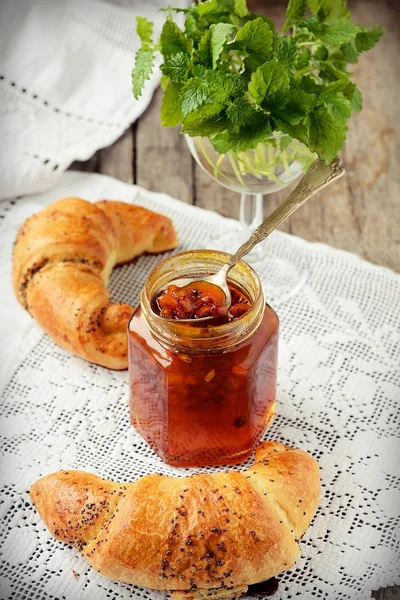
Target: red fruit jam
(200, 299)
(202, 394)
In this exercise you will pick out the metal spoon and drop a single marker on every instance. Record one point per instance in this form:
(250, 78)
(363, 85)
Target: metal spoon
(317, 177)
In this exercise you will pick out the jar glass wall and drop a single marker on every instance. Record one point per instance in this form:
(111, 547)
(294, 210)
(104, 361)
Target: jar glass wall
(202, 395)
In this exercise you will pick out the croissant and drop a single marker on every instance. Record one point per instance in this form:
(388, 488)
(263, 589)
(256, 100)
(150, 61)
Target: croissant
(208, 535)
(62, 260)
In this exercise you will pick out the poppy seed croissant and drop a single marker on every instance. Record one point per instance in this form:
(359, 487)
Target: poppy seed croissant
(208, 535)
(63, 257)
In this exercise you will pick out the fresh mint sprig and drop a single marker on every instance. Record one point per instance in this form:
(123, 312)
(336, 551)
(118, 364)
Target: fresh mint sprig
(230, 77)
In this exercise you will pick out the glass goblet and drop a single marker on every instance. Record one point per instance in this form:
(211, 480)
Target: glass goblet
(270, 167)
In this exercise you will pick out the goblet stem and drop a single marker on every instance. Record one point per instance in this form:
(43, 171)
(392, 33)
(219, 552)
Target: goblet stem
(251, 216)
(251, 211)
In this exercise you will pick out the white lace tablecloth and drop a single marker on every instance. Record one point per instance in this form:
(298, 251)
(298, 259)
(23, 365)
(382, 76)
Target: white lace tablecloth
(65, 84)
(338, 398)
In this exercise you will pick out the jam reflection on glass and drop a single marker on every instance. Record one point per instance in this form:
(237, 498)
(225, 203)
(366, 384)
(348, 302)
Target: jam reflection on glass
(200, 299)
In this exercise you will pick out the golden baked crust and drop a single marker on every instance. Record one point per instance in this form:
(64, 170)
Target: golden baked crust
(62, 260)
(139, 228)
(216, 532)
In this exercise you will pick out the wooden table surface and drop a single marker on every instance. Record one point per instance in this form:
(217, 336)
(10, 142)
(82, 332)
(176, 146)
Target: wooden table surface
(359, 213)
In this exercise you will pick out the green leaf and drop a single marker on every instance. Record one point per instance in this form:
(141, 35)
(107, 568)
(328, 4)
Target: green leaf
(142, 70)
(365, 40)
(321, 53)
(336, 103)
(200, 71)
(203, 53)
(257, 86)
(357, 101)
(303, 59)
(215, 7)
(346, 87)
(241, 8)
(222, 86)
(194, 94)
(348, 53)
(144, 29)
(295, 10)
(308, 84)
(206, 111)
(205, 121)
(299, 132)
(297, 106)
(269, 84)
(243, 114)
(253, 16)
(210, 86)
(220, 35)
(252, 62)
(255, 37)
(171, 107)
(191, 27)
(328, 11)
(325, 135)
(173, 40)
(246, 139)
(329, 72)
(287, 53)
(176, 66)
(333, 35)
(164, 82)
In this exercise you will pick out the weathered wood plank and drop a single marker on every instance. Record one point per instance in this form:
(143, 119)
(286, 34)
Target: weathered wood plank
(89, 166)
(372, 148)
(163, 161)
(390, 593)
(118, 160)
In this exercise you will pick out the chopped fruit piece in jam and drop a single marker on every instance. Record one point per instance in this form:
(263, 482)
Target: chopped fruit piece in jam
(200, 299)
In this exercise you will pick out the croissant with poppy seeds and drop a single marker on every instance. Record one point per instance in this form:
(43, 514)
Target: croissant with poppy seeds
(62, 261)
(204, 536)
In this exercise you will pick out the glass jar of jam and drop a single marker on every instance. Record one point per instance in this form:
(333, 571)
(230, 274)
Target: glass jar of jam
(202, 394)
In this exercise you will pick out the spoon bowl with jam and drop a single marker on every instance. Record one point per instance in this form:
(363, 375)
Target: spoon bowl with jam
(199, 300)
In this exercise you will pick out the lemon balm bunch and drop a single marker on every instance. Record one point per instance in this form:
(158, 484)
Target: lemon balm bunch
(231, 77)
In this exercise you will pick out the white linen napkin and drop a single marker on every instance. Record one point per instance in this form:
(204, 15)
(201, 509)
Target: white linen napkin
(65, 85)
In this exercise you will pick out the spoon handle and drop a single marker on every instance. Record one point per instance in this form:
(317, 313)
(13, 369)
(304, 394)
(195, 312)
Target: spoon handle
(317, 177)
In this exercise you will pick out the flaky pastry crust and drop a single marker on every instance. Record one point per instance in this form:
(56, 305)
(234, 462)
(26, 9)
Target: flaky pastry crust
(63, 257)
(204, 536)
